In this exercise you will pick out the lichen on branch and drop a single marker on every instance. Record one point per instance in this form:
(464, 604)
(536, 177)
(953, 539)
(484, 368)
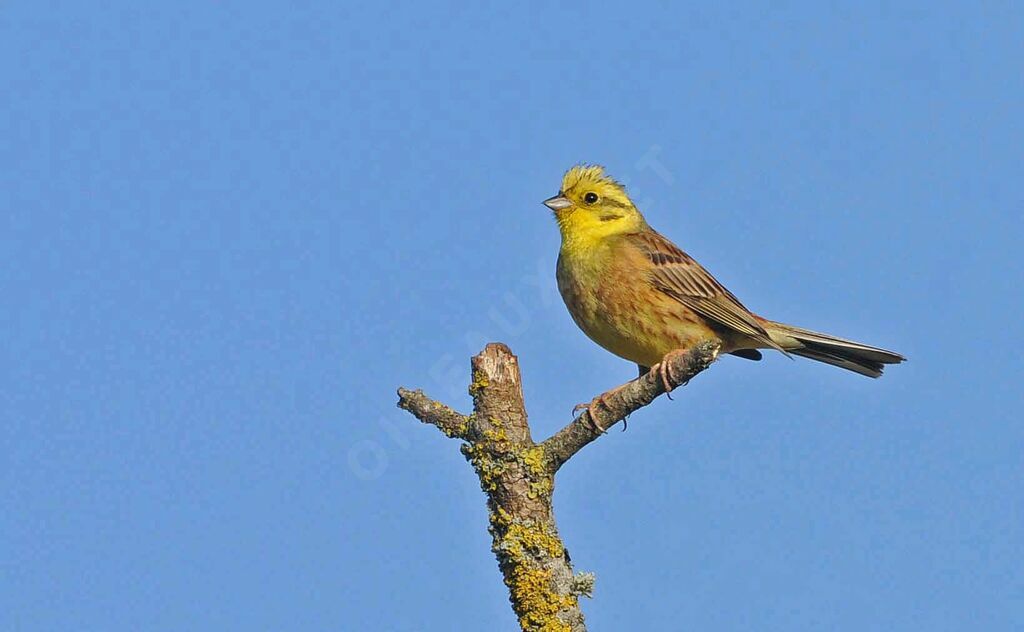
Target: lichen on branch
(517, 475)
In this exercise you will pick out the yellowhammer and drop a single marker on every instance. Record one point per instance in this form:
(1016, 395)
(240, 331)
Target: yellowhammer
(639, 296)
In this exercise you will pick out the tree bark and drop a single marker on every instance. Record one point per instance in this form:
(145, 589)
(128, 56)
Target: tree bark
(517, 474)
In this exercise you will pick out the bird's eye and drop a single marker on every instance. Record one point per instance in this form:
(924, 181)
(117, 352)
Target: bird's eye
(590, 198)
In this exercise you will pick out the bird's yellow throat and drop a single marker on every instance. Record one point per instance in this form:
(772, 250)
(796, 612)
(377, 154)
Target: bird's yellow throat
(584, 230)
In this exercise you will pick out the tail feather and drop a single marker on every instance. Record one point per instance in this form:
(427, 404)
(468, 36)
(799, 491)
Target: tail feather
(840, 352)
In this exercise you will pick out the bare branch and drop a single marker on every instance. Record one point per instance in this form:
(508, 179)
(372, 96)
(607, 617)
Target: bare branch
(615, 405)
(514, 475)
(429, 411)
(518, 475)
(497, 391)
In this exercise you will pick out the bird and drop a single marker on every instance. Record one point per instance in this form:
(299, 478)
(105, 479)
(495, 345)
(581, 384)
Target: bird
(641, 297)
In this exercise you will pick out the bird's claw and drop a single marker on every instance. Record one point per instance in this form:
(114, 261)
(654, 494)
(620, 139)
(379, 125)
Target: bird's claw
(664, 369)
(592, 421)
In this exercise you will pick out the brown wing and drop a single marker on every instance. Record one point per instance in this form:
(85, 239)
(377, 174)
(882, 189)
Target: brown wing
(677, 274)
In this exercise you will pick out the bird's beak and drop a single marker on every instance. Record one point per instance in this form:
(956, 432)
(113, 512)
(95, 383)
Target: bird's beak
(558, 202)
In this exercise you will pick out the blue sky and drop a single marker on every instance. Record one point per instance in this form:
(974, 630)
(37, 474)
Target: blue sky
(231, 230)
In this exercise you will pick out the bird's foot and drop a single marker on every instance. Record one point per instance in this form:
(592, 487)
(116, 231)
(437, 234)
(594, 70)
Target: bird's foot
(665, 372)
(593, 420)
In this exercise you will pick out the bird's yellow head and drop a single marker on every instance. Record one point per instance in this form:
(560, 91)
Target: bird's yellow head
(592, 206)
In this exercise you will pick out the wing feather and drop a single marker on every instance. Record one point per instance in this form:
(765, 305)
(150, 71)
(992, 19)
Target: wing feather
(678, 275)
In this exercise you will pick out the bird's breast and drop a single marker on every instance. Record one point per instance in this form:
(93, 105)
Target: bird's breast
(617, 307)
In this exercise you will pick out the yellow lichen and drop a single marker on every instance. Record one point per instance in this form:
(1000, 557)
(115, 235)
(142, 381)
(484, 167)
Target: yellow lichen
(496, 433)
(522, 546)
(488, 470)
(535, 600)
(541, 488)
(538, 605)
(500, 518)
(525, 537)
(534, 460)
(480, 382)
(460, 430)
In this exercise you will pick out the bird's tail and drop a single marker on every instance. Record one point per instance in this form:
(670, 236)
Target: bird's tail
(846, 354)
